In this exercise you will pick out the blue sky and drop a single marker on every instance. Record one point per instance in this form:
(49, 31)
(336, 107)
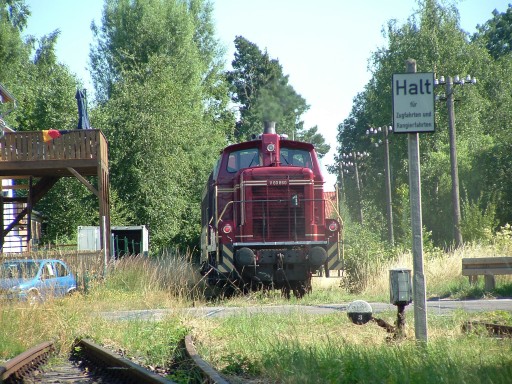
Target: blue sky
(323, 45)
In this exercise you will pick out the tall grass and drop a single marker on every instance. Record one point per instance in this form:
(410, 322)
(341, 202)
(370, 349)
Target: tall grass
(148, 342)
(139, 282)
(300, 348)
(443, 273)
(269, 348)
(136, 282)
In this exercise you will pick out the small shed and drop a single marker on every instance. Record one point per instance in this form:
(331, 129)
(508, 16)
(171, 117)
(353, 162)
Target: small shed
(124, 240)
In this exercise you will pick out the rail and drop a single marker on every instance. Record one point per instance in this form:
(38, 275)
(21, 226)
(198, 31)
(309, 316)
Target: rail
(492, 329)
(23, 364)
(208, 374)
(488, 267)
(103, 362)
(121, 366)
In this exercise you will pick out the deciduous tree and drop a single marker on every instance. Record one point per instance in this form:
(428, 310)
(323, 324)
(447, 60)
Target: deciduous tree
(262, 93)
(434, 38)
(162, 103)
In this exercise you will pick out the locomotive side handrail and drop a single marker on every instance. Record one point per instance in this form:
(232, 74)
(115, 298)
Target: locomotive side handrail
(224, 211)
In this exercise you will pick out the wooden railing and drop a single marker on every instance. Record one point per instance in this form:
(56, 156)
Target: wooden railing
(77, 144)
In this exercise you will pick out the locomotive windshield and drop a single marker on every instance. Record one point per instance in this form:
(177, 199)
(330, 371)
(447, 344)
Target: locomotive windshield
(244, 158)
(296, 157)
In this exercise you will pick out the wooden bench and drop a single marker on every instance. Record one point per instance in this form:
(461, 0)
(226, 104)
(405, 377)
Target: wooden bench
(488, 267)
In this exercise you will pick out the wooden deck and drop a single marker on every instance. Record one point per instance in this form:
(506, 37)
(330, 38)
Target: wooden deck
(76, 153)
(26, 154)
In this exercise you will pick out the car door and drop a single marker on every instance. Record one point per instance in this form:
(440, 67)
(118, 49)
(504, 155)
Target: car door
(47, 282)
(64, 279)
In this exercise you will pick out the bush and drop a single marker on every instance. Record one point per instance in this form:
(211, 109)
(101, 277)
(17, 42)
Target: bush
(364, 254)
(477, 223)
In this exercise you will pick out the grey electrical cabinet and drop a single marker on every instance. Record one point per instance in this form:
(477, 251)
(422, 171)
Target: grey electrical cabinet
(88, 238)
(400, 286)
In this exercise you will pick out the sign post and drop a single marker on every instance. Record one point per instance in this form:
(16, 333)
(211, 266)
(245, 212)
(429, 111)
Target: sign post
(413, 112)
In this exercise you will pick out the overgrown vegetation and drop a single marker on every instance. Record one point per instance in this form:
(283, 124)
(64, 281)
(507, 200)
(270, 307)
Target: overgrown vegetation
(149, 48)
(272, 348)
(300, 348)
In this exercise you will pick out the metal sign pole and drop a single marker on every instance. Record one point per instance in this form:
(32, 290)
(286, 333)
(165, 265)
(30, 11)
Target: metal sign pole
(420, 305)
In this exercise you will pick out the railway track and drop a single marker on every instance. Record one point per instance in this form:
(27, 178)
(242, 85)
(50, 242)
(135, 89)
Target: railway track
(496, 330)
(91, 363)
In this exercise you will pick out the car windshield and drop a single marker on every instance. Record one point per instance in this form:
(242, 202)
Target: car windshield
(18, 269)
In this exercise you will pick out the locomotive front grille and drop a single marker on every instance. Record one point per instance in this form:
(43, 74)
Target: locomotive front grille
(278, 212)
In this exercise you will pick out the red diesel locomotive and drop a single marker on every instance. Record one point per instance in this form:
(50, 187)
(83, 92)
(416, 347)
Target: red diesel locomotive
(263, 217)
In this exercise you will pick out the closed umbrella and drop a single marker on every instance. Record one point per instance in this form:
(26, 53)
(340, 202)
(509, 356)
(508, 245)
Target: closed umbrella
(83, 118)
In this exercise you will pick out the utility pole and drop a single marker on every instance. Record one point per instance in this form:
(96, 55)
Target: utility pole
(453, 161)
(358, 183)
(387, 170)
(355, 156)
(342, 186)
(449, 88)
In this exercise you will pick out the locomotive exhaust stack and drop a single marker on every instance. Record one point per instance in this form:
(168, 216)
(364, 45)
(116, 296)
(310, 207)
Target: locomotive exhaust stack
(269, 127)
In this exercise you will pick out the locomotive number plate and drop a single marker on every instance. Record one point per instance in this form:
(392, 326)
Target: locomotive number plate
(277, 182)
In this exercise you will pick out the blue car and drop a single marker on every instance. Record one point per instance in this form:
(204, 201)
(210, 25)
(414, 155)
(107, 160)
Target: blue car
(35, 280)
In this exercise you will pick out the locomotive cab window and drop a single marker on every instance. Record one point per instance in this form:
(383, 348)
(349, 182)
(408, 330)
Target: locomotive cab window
(296, 157)
(245, 158)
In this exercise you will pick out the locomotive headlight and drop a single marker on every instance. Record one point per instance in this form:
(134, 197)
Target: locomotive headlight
(271, 147)
(333, 226)
(228, 228)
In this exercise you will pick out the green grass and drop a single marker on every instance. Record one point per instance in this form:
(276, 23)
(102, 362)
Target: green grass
(296, 348)
(439, 362)
(308, 349)
(147, 342)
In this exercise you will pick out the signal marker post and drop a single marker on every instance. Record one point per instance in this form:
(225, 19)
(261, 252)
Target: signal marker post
(413, 112)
